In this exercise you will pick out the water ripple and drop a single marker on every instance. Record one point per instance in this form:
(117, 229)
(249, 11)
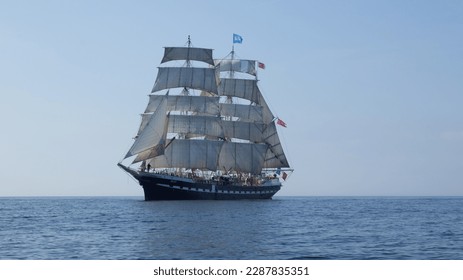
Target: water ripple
(284, 228)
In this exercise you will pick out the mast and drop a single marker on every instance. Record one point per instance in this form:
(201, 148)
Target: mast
(232, 75)
(185, 90)
(188, 64)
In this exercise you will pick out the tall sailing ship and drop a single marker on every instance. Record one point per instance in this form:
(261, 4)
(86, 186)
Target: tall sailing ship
(207, 132)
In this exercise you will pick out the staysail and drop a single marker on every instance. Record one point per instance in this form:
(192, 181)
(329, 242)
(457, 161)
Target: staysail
(151, 137)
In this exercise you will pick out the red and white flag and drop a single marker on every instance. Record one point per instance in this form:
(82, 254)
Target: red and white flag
(280, 122)
(261, 65)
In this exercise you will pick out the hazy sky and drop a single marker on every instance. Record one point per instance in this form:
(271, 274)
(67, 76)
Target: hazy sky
(372, 91)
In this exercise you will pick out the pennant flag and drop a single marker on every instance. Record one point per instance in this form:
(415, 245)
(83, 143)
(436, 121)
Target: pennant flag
(237, 39)
(280, 122)
(284, 175)
(261, 65)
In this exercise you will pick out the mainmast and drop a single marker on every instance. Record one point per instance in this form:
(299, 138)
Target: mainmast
(185, 90)
(188, 63)
(229, 99)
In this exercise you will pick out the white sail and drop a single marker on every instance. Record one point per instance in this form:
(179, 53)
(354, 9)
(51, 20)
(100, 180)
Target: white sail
(216, 127)
(242, 88)
(151, 153)
(153, 134)
(242, 157)
(250, 131)
(238, 65)
(201, 154)
(144, 121)
(191, 77)
(275, 156)
(212, 155)
(208, 105)
(243, 112)
(188, 53)
(267, 115)
(161, 161)
(196, 125)
(197, 104)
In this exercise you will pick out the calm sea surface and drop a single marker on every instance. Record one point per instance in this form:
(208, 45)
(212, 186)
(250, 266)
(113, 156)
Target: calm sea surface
(282, 228)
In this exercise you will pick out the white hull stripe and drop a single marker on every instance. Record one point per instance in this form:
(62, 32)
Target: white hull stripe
(218, 191)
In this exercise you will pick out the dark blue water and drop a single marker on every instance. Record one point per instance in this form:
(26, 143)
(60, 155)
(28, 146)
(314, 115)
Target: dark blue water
(282, 228)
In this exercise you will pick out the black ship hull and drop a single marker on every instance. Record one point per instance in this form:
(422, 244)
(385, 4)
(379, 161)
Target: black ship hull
(169, 187)
(158, 188)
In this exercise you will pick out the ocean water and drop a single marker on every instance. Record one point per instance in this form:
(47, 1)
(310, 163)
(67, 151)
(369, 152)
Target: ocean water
(355, 228)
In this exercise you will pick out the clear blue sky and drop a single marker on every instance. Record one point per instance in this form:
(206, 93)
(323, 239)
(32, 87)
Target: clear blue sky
(372, 91)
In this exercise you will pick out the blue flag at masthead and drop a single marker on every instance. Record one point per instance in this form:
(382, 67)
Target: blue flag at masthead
(237, 39)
